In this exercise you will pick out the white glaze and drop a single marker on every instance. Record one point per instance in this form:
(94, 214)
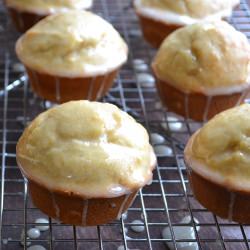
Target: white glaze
(138, 228)
(33, 233)
(85, 212)
(49, 104)
(161, 150)
(122, 206)
(101, 88)
(188, 220)
(156, 138)
(125, 230)
(125, 215)
(141, 67)
(181, 163)
(48, 10)
(197, 166)
(95, 186)
(138, 61)
(117, 190)
(231, 206)
(128, 238)
(36, 247)
(175, 18)
(18, 67)
(243, 96)
(173, 125)
(181, 232)
(42, 227)
(121, 247)
(88, 61)
(145, 80)
(227, 90)
(209, 174)
(135, 32)
(150, 182)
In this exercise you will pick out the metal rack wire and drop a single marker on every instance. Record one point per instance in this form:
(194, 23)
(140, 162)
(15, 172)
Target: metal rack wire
(163, 204)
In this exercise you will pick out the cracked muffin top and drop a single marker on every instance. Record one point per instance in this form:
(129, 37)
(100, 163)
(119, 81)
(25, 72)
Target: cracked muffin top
(46, 7)
(185, 12)
(206, 57)
(88, 148)
(73, 44)
(220, 150)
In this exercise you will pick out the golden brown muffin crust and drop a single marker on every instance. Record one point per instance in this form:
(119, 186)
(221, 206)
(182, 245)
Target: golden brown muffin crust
(220, 151)
(88, 148)
(70, 45)
(205, 58)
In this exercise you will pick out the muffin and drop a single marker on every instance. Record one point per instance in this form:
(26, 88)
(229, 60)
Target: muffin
(25, 13)
(203, 69)
(68, 58)
(217, 156)
(82, 158)
(158, 18)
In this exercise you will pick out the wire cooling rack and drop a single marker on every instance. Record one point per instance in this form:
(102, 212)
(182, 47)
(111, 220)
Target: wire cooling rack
(163, 204)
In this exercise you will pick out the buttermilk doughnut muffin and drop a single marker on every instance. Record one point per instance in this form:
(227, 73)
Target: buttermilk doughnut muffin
(85, 161)
(217, 157)
(68, 58)
(203, 69)
(158, 18)
(25, 13)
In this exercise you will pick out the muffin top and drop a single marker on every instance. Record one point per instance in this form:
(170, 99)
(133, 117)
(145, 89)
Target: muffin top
(221, 149)
(70, 45)
(208, 57)
(88, 148)
(185, 12)
(45, 7)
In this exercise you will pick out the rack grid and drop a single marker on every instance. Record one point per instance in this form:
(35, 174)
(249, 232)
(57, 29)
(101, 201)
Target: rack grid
(163, 204)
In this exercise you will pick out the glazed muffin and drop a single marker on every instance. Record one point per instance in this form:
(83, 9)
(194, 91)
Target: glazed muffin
(218, 160)
(203, 69)
(158, 18)
(68, 58)
(82, 158)
(25, 13)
